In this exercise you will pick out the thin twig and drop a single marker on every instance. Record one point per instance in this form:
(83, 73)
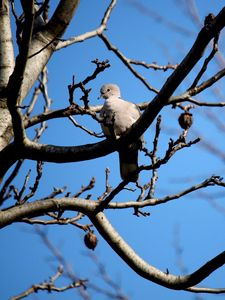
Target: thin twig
(173, 147)
(83, 188)
(57, 221)
(108, 188)
(153, 65)
(212, 181)
(55, 192)
(154, 159)
(209, 58)
(91, 34)
(95, 134)
(33, 189)
(49, 286)
(9, 180)
(126, 62)
(103, 204)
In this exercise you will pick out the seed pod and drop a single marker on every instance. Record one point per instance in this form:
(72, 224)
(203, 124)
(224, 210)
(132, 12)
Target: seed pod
(185, 120)
(90, 240)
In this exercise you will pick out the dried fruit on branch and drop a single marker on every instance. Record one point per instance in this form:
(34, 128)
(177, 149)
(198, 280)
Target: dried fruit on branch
(185, 120)
(90, 240)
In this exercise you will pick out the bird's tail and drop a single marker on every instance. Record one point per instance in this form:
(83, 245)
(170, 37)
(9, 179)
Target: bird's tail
(129, 163)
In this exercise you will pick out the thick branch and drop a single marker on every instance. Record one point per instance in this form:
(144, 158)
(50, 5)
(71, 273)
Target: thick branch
(68, 154)
(16, 79)
(6, 49)
(49, 204)
(41, 207)
(146, 270)
(43, 43)
(6, 68)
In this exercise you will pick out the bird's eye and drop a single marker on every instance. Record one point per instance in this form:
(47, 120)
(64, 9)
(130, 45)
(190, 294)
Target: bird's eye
(108, 90)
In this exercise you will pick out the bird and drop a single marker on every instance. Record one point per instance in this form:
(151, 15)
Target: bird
(117, 117)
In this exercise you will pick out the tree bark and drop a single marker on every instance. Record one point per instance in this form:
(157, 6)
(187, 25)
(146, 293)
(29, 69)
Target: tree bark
(42, 46)
(6, 69)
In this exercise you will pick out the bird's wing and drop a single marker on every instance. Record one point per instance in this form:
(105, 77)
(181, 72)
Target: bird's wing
(119, 115)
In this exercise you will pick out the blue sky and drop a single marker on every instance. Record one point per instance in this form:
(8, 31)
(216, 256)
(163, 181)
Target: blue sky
(194, 222)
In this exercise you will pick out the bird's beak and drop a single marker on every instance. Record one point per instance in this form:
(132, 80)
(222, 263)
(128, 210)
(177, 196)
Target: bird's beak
(100, 96)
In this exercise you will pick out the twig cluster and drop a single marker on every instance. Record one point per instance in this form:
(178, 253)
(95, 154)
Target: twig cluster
(49, 286)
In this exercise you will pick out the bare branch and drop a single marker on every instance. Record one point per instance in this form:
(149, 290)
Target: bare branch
(146, 270)
(117, 294)
(214, 180)
(126, 62)
(153, 66)
(15, 81)
(98, 135)
(46, 205)
(206, 290)
(88, 187)
(92, 33)
(62, 113)
(49, 286)
(173, 147)
(9, 180)
(100, 67)
(58, 221)
(103, 204)
(211, 55)
(154, 159)
(34, 188)
(68, 272)
(108, 188)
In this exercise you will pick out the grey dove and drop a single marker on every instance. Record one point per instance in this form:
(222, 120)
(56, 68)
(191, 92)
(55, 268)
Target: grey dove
(117, 117)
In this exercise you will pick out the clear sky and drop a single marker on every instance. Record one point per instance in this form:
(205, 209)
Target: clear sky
(180, 235)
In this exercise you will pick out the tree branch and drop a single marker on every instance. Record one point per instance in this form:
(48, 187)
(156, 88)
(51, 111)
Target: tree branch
(146, 270)
(16, 79)
(126, 62)
(50, 286)
(91, 34)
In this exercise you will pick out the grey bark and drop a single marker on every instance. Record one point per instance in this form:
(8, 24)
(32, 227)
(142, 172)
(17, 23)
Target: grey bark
(42, 47)
(6, 69)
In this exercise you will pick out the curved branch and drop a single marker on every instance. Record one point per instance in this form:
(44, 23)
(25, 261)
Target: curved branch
(99, 220)
(41, 207)
(206, 290)
(146, 270)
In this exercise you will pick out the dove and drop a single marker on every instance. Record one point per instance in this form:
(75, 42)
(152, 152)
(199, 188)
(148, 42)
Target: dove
(118, 115)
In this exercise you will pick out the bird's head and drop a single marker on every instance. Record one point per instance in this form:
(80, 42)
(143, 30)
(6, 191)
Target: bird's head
(108, 90)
